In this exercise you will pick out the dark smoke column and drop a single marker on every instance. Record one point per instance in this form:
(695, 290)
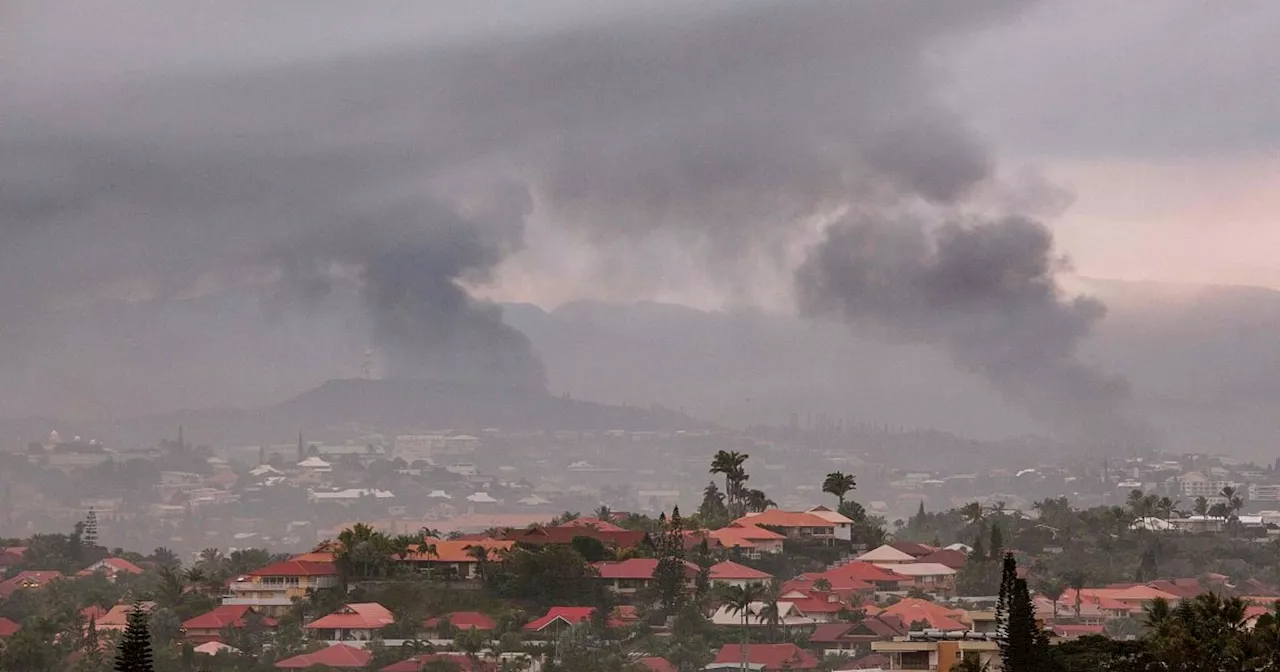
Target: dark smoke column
(413, 260)
(986, 294)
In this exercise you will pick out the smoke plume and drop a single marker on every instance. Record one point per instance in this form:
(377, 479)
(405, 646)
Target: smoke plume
(984, 292)
(721, 130)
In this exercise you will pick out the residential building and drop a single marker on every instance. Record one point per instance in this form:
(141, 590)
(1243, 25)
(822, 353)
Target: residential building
(931, 577)
(442, 661)
(456, 558)
(628, 576)
(729, 573)
(462, 620)
(111, 567)
(8, 628)
(208, 627)
(1195, 484)
(796, 525)
(938, 655)
(1259, 492)
(273, 588)
(886, 555)
(764, 658)
(28, 580)
(358, 621)
(749, 540)
(337, 656)
(844, 525)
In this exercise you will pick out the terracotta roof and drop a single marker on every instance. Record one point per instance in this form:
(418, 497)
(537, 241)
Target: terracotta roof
(117, 617)
(569, 615)
(338, 655)
(946, 556)
(636, 568)
(937, 616)
(815, 602)
(656, 664)
(314, 556)
(111, 566)
(463, 662)
(297, 568)
(226, 615)
(780, 518)
(841, 585)
(770, 656)
(28, 579)
(8, 628)
(455, 551)
(602, 525)
(862, 571)
(355, 616)
(744, 536)
(463, 620)
(921, 569)
(732, 571)
(1143, 593)
(829, 633)
(885, 553)
(884, 625)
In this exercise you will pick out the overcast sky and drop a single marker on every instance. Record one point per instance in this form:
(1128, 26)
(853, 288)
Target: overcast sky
(636, 149)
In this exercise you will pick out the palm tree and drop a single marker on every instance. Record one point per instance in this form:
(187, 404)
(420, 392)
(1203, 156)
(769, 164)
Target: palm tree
(1053, 590)
(730, 464)
(839, 484)
(756, 501)
(1076, 580)
(163, 557)
(1201, 506)
(738, 600)
(211, 559)
(973, 513)
(1234, 502)
(1167, 507)
(481, 555)
(771, 611)
(603, 513)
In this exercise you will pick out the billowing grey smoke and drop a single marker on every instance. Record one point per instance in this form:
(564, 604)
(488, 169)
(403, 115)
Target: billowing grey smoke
(986, 293)
(723, 128)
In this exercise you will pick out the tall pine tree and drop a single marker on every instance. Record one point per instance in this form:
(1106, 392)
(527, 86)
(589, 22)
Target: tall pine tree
(134, 651)
(1024, 646)
(670, 574)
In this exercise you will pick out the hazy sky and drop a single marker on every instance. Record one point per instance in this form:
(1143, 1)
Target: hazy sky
(161, 149)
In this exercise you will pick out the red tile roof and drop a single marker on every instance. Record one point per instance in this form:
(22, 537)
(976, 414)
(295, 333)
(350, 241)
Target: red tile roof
(463, 620)
(355, 616)
(297, 568)
(1073, 631)
(829, 633)
(8, 628)
(780, 518)
(636, 568)
(221, 617)
(338, 655)
(862, 571)
(570, 615)
(111, 566)
(602, 525)
(656, 664)
(463, 662)
(770, 656)
(28, 579)
(732, 571)
(946, 556)
(937, 616)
